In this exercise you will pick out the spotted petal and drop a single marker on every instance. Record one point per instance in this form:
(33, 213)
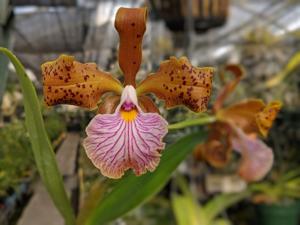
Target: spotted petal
(252, 115)
(242, 114)
(126, 139)
(131, 25)
(265, 118)
(177, 82)
(67, 81)
(257, 157)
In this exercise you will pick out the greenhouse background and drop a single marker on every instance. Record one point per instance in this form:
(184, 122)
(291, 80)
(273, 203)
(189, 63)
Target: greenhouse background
(258, 38)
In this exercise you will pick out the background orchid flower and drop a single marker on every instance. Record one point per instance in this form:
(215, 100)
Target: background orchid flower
(237, 128)
(128, 131)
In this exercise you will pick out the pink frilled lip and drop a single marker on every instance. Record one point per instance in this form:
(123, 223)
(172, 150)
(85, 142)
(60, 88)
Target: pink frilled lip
(257, 157)
(115, 145)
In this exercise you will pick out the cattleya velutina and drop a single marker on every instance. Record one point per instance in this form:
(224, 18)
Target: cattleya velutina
(127, 133)
(236, 128)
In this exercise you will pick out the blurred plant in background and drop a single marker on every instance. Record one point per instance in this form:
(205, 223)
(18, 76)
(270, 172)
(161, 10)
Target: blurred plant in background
(188, 211)
(283, 190)
(271, 67)
(16, 159)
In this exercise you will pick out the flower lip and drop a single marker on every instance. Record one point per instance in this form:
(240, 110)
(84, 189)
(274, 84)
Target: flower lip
(127, 139)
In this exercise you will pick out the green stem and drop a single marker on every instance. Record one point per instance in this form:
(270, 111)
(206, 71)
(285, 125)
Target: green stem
(193, 122)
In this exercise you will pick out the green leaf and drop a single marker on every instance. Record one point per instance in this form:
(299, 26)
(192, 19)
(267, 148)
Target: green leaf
(131, 191)
(91, 200)
(193, 213)
(292, 64)
(190, 214)
(221, 222)
(222, 201)
(292, 174)
(42, 149)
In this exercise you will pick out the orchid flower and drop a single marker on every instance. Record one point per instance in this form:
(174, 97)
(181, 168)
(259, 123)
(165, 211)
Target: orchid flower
(237, 128)
(127, 133)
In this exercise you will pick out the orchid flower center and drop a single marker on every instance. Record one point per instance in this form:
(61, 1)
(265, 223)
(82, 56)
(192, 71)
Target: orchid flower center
(129, 110)
(127, 139)
(128, 106)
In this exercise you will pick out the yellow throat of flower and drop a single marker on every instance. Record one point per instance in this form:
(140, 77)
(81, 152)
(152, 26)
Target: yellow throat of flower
(129, 116)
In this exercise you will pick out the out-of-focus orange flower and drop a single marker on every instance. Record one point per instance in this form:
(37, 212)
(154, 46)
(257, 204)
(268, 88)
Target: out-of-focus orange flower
(237, 128)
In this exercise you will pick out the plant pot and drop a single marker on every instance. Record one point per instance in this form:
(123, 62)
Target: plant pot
(279, 214)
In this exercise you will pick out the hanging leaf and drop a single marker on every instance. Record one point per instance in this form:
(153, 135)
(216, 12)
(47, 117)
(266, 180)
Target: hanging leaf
(41, 147)
(293, 63)
(131, 191)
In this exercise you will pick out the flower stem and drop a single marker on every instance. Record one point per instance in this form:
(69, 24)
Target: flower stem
(193, 122)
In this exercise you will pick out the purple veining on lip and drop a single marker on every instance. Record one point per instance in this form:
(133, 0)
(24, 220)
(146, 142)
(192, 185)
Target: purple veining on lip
(115, 145)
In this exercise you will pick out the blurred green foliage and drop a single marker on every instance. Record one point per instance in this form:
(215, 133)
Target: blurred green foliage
(283, 190)
(156, 211)
(187, 210)
(16, 159)
(54, 125)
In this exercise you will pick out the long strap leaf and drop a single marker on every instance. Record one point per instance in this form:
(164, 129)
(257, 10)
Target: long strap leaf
(193, 213)
(222, 201)
(293, 63)
(132, 190)
(42, 149)
(186, 210)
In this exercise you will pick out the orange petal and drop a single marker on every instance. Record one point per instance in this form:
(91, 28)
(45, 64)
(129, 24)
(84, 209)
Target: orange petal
(252, 116)
(69, 82)
(217, 150)
(265, 118)
(131, 25)
(242, 114)
(109, 104)
(147, 104)
(178, 82)
(238, 73)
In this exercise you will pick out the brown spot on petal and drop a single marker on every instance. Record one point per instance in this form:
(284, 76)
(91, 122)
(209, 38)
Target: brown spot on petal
(265, 118)
(175, 73)
(131, 25)
(74, 77)
(252, 115)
